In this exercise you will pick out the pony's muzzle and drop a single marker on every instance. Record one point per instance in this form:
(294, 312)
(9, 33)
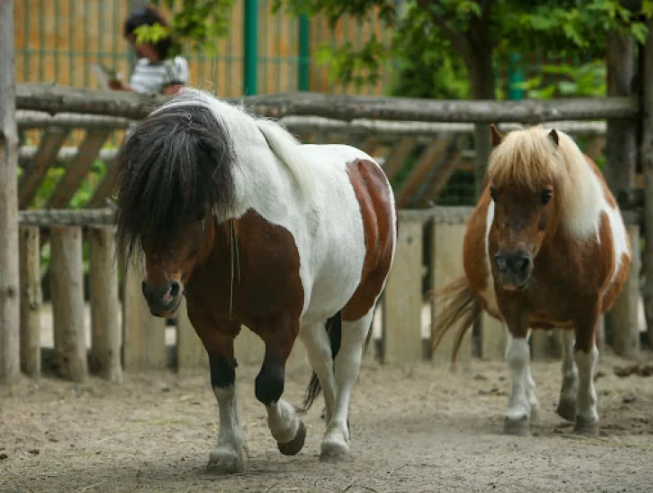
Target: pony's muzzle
(162, 301)
(514, 269)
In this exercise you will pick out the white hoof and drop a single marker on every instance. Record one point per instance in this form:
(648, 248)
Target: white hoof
(333, 449)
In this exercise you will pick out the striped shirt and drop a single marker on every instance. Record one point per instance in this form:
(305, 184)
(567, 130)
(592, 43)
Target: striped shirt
(153, 77)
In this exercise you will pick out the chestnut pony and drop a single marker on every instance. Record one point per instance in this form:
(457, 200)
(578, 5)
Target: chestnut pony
(256, 229)
(545, 248)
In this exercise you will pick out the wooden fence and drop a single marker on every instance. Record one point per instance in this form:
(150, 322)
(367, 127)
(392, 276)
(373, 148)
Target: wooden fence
(124, 336)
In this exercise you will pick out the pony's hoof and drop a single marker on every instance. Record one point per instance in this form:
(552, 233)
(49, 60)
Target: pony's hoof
(586, 427)
(333, 451)
(517, 427)
(226, 460)
(295, 445)
(567, 409)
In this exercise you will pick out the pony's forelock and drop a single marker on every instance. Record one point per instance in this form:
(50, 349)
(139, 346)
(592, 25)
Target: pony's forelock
(177, 163)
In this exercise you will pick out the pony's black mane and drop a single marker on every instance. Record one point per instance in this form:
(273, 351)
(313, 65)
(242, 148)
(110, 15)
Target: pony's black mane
(176, 166)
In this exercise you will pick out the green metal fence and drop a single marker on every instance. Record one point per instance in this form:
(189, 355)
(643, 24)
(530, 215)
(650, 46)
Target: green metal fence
(56, 40)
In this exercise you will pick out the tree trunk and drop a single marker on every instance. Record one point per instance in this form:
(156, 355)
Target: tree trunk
(621, 137)
(9, 270)
(482, 87)
(647, 165)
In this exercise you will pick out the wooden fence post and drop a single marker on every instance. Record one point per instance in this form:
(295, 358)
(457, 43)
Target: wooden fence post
(191, 354)
(9, 271)
(494, 338)
(623, 317)
(68, 303)
(447, 264)
(143, 334)
(105, 306)
(30, 301)
(647, 165)
(402, 302)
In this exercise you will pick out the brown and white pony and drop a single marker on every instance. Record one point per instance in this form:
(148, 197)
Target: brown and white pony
(256, 229)
(545, 248)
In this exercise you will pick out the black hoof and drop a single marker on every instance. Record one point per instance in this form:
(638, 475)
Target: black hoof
(567, 410)
(587, 428)
(296, 444)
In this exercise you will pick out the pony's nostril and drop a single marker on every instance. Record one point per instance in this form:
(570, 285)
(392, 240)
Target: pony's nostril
(500, 262)
(174, 289)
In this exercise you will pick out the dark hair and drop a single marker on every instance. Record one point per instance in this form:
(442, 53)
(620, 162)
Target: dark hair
(176, 164)
(148, 16)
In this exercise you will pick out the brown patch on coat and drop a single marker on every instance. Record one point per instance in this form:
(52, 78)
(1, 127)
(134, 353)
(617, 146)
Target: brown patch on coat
(268, 296)
(373, 194)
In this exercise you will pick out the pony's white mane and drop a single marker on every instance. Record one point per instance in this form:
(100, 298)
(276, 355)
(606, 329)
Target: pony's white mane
(529, 158)
(238, 124)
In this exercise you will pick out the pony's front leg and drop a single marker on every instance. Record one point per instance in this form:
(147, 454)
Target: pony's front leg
(517, 416)
(586, 355)
(230, 453)
(284, 423)
(567, 403)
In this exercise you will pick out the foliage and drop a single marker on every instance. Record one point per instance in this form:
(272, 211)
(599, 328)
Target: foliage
(587, 80)
(199, 22)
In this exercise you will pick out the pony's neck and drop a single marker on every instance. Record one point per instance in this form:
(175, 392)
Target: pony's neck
(581, 199)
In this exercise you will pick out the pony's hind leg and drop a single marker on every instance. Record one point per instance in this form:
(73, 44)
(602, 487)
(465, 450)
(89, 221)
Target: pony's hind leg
(284, 423)
(347, 365)
(567, 403)
(517, 416)
(320, 356)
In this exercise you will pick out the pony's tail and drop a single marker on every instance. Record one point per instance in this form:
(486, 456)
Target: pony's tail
(459, 308)
(334, 330)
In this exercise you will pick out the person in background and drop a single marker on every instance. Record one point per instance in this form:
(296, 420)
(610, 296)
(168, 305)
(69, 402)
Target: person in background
(156, 70)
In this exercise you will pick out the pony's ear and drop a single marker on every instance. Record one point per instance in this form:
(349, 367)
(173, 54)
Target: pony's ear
(495, 136)
(553, 135)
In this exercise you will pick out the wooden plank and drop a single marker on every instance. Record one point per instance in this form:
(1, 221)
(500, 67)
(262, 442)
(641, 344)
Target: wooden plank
(494, 338)
(78, 169)
(545, 344)
(249, 350)
(398, 155)
(623, 318)
(143, 334)
(447, 261)
(67, 291)
(370, 144)
(30, 301)
(105, 305)
(191, 354)
(402, 305)
(9, 236)
(434, 151)
(105, 188)
(51, 141)
(441, 178)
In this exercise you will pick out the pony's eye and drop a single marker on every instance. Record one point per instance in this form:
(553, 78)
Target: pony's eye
(493, 193)
(546, 196)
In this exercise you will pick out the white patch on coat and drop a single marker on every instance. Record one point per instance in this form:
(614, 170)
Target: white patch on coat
(489, 294)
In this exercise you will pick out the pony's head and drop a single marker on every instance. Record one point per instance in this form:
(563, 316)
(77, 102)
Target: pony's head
(175, 175)
(526, 178)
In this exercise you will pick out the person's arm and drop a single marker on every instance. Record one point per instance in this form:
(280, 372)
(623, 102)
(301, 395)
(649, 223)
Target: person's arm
(119, 85)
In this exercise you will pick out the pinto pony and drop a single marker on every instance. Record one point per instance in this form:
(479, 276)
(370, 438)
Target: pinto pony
(545, 248)
(256, 229)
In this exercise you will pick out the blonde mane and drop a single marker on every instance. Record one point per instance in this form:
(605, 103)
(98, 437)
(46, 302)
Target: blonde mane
(529, 159)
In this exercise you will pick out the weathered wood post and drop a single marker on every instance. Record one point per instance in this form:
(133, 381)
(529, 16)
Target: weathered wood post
(67, 281)
(623, 317)
(105, 306)
(30, 301)
(647, 164)
(402, 301)
(9, 273)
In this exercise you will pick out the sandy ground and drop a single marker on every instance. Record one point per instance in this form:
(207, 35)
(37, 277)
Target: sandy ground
(418, 428)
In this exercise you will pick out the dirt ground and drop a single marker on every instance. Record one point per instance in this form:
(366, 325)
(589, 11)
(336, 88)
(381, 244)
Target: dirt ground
(419, 428)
